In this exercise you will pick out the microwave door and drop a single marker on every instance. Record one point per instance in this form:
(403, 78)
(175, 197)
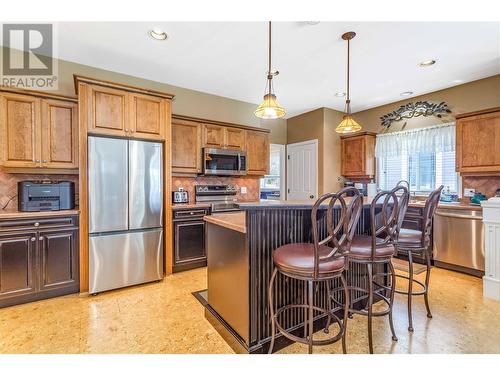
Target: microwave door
(222, 163)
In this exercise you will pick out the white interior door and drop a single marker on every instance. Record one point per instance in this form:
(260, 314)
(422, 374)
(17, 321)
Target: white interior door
(302, 170)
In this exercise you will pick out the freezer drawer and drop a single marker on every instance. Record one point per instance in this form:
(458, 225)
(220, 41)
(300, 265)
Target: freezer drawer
(145, 185)
(108, 184)
(119, 260)
(458, 240)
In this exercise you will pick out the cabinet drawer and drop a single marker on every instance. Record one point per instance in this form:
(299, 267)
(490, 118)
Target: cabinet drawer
(13, 225)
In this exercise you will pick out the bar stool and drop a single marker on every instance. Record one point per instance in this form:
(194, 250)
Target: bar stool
(414, 242)
(320, 261)
(376, 249)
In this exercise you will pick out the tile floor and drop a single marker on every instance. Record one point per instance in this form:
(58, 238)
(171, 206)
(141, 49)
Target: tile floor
(165, 318)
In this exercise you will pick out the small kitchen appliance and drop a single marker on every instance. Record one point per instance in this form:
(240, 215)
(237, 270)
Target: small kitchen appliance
(46, 195)
(180, 196)
(222, 162)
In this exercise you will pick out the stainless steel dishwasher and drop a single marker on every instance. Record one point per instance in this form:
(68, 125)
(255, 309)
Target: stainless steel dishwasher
(458, 240)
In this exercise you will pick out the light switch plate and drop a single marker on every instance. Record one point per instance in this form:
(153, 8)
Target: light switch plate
(243, 190)
(469, 192)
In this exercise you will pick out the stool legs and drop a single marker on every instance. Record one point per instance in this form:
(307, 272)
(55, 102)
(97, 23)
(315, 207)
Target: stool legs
(393, 288)
(346, 312)
(427, 277)
(370, 305)
(271, 310)
(310, 315)
(410, 290)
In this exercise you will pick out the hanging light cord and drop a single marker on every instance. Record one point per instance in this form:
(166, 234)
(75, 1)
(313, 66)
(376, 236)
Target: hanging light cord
(348, 101)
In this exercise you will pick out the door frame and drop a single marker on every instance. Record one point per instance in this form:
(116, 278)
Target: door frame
(313, 142)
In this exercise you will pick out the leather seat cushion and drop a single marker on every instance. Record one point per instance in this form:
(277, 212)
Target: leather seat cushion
(298, 258)
(410, 237)
(361, 247)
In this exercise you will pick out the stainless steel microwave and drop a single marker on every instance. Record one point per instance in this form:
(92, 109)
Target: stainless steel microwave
(221, 162)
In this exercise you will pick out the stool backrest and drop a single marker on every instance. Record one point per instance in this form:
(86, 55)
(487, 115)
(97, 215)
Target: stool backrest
(340, 234)
(404, 200)
(385, 225)
(429, 210)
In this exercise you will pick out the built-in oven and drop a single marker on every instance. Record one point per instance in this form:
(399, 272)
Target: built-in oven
(189, 238)
(222, 162)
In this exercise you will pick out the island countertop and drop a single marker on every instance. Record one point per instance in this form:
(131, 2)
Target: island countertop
(233, 220)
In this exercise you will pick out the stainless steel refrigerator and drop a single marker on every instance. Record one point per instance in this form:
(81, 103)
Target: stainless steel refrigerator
(125, 188)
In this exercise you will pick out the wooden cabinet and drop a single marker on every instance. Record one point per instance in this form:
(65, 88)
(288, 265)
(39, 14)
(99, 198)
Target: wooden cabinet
(38, 132)
(217, 136)
(17, 265)
(148, 116)
(186, 146)
(120, 112)
(257, 146)
(478, 142)
(358, 156)
(59, 134)
(38, 259)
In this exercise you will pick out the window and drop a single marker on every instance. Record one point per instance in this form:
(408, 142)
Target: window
(423, 157)
(272, 180)
(424, 171)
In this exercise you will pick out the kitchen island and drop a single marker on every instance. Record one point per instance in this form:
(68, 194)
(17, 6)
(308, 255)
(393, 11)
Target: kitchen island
(239, 260)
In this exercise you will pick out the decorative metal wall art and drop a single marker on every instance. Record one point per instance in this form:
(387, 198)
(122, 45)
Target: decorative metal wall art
(417, 109)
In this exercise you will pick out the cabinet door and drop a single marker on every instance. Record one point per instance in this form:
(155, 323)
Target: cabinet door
(108, 111)
(59, 134)
(17, 265)
(353, 156)
(478, 142)
(213, 135)
(235, 139)
(148, 116)
(257, 152)
(58, 259)
(20, 131)
(186, 147)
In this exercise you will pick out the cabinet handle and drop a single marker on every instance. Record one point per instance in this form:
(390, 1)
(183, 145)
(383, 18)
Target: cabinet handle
(40, 238)
(33, 239)
(36, 224)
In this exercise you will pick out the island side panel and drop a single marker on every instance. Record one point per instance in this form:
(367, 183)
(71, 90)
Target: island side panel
(268, 229)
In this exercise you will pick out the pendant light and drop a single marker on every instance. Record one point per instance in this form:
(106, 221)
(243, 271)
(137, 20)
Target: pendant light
(348, 125)
(270, 108)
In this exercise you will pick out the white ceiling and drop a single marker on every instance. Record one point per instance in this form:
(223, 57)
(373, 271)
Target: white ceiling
(230, 59)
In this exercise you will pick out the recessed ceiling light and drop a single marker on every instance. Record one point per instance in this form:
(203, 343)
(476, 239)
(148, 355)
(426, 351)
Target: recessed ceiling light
(406, 93)
(158, 34)
(312, 23)
(426, 63)
(458, 81)
(340, 94)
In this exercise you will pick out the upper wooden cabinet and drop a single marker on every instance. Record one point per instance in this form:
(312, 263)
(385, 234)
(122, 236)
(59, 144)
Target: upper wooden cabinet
(358, 156)
(257, 145)
(38, 130)
(124, 111)
(218, 136)
(186, 146)
(478, 142)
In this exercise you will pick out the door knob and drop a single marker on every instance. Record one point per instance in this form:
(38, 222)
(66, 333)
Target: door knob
(311, 196)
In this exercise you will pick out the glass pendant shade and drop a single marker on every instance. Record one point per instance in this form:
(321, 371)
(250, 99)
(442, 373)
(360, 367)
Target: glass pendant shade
(270, 108)
(348, 125)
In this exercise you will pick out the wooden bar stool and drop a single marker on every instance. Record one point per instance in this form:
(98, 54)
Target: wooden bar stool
(379, 248)
(320, 261)
(414, 242)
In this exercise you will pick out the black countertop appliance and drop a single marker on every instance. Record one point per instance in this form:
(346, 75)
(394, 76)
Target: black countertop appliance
(46, 195)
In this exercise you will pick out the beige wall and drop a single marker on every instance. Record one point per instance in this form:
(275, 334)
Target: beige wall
(320, 124)
(186, 102)
(473, 96)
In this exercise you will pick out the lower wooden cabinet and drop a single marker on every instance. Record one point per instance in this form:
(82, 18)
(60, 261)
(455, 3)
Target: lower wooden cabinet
(38, 259)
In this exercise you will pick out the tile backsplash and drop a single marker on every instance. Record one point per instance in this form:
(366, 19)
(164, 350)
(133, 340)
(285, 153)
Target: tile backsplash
(8, 185)
(483, 184)
(251, 183)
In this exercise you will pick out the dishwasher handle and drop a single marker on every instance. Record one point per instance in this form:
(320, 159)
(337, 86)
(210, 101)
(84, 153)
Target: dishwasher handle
(456, 216)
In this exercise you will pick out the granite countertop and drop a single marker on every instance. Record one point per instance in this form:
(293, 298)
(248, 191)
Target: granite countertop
(232, 220)
(186, 206)
(304, 204)
(15, 214)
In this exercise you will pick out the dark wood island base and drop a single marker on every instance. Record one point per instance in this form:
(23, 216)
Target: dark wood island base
(239, 250)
